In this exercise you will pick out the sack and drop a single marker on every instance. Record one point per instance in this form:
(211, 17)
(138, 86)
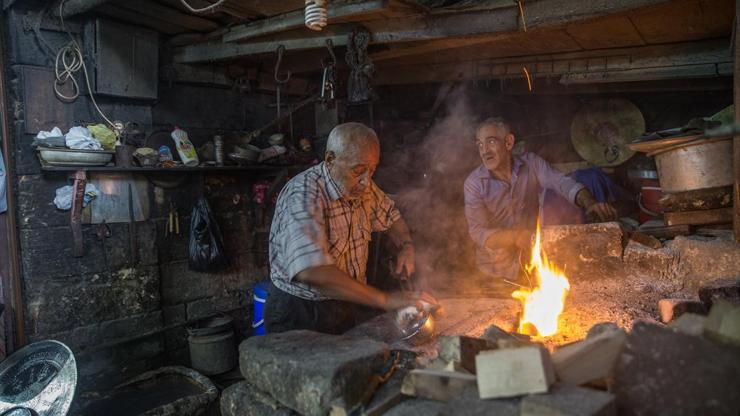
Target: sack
(206, 244)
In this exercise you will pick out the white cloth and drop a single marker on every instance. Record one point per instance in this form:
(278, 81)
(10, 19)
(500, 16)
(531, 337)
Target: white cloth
(55, 132)
(64, 195)
(81, 138)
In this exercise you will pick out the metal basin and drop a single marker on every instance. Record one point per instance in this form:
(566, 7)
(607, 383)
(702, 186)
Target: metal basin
(695, 165)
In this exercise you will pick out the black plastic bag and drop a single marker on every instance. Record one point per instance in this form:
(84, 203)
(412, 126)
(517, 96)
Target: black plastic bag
(206, 243)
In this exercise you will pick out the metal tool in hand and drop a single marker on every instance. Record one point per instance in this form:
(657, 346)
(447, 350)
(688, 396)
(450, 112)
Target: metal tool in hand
(280, 80)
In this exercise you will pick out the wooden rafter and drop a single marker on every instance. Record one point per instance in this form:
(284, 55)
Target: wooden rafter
(295, 19)
(431, 27)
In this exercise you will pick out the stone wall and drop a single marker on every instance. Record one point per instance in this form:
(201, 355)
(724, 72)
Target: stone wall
(102, 298)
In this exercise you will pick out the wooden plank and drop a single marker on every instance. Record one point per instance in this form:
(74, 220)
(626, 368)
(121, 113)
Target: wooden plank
(159, 25)
(295, 19)
(683, 20)
(736, 139)
(711, 198)
(609, 32)
(434, 26)
(155, 10)
(73, 7)
(705, 217)
(436, 384)
(641, 74)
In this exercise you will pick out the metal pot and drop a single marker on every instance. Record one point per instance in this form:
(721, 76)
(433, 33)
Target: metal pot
(699, 164)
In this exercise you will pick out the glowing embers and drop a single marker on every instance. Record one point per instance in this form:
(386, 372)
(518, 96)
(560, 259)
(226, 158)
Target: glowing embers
(542, 304)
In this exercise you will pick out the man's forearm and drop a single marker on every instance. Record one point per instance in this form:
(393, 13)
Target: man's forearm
(399, 233)
(336, 284)
(507, 238)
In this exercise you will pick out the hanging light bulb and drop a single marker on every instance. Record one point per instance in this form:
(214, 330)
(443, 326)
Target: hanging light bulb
(316, 15)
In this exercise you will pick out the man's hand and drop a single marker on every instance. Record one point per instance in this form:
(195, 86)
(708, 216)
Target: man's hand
(405, 262)
(398, 300)
(603, 211)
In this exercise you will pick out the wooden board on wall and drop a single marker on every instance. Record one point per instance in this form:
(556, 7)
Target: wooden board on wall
(43, 110)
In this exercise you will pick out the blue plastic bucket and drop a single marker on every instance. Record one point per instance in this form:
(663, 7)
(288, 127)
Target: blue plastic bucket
(259, 298)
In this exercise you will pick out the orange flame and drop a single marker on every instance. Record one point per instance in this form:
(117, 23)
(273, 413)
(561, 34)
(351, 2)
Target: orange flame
(544, 303)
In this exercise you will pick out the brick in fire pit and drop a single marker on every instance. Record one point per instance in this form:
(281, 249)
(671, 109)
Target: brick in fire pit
(723, 323)
(592, 359)
(671, 309)
(462, 349)
(513, 372)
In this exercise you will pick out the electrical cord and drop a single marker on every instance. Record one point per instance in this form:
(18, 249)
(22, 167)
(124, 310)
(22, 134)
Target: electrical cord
(204, 9)
(71, 60)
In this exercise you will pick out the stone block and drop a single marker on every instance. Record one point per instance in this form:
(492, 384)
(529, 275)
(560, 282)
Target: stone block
(435, 384)
(462, 349)
(499, 338)
(585, 250)
(62, 304)
(689, 323)
(182, 285)
(309, 372)
(130, 326)
(468, 403)
(724, 289)
(36, 201)
(416, 407)
(723, 323)
(592, 359)
(694, 252)
(642, 261)
(223, 303)
(671, 309)
(602, 327)
(570, 400)
(513, 372)
(662, 371)
(242, 399)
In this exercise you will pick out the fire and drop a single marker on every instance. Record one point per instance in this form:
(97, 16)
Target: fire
(544, 303)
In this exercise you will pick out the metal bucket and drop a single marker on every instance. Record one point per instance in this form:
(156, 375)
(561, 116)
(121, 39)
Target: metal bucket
(700, 164)
(212, 346)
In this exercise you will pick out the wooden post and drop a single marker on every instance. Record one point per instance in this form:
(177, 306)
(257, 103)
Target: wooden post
(736, 141)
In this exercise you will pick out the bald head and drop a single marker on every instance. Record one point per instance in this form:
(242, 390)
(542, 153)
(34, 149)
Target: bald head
(349, 139)
(352, 154)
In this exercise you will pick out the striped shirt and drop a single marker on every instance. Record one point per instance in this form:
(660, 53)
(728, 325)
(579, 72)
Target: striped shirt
(314, 226)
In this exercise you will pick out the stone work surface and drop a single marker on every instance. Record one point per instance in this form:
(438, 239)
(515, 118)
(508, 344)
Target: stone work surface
(589, 251)
(309, 372)
(570, 400)
(662, 371)
(242, 399)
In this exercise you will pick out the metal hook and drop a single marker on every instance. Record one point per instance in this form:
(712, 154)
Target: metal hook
(286, 78)
(330, 47)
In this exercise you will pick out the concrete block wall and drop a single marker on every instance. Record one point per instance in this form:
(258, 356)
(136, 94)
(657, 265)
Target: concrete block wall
(87, 302)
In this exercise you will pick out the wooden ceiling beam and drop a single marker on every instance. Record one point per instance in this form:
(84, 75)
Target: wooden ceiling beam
(655, 62)
(431, 27)
(295, 19)
(156, 10)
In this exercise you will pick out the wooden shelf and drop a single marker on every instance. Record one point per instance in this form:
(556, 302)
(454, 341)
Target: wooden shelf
(180, 169)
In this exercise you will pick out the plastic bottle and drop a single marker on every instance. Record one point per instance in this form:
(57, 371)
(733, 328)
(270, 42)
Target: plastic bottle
(165, 154)
(184, 147)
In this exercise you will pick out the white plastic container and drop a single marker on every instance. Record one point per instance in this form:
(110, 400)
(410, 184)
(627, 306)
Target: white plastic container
(184, 147)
